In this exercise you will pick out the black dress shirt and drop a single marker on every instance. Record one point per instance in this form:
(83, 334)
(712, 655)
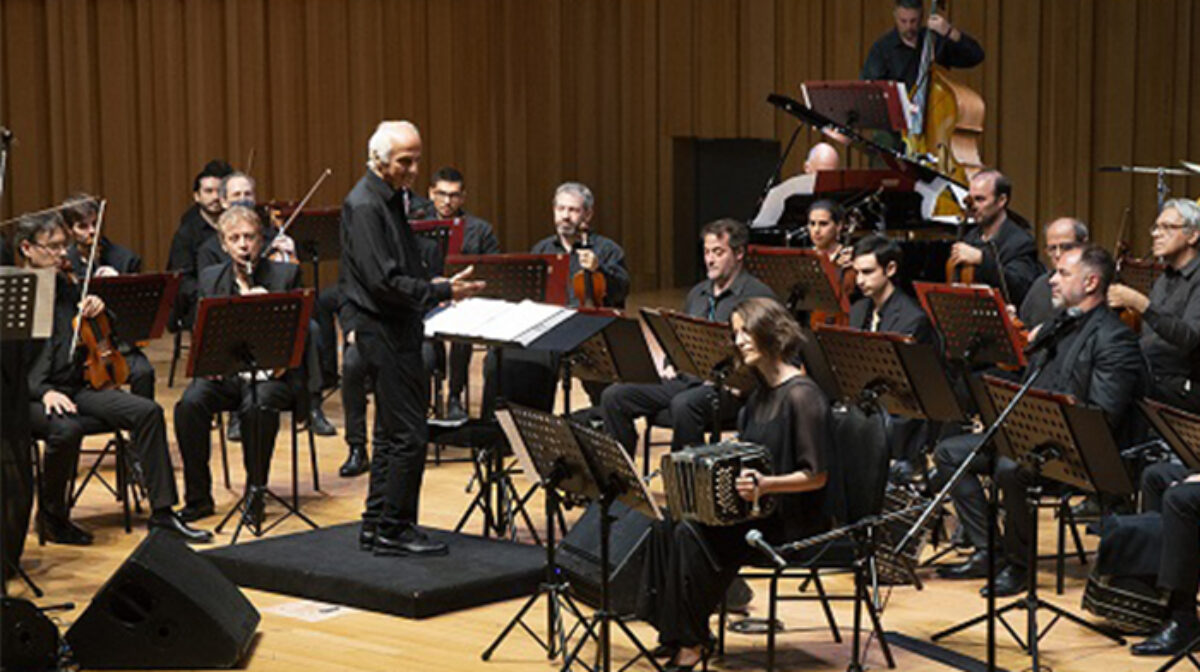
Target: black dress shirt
(108, 253)
(478, 236)
(1011, 249)
(383, 278)
(1171, 335)
(52, 368)
(612, 265)
(701, 302)
(900, 314)
(891, 59)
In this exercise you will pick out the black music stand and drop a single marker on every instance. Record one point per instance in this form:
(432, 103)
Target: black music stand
(22, 319)
(546, 447)
(975, 325)
(807, 278)
(616, 480)
(705, 350)
(317, 232)
(1054, 436)
(616, 354)
(140, 304)
(447, 233)
(516, 277)
(248, 334)
(1180, 429)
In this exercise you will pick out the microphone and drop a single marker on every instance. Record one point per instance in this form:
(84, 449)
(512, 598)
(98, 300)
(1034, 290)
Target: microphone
(1050, 335)
(755, 539)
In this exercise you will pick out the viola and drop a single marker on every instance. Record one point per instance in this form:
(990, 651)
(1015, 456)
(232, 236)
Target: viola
(590, 287)
(104, 367)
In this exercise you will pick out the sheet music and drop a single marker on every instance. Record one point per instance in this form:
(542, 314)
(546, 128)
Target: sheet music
(776, 200)
(43, 309)
(496, 320)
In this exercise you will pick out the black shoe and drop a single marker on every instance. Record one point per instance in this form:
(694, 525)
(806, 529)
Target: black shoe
(664, 651)
(409, 542)
(366, 537)
(454, 410)
(62, 531)
(169, 521)
(705, 652)
(901, 472)
(320, 424)
(1012, 581)
(356, 463)
(738, 597)
(193, 512)
(255, 513)
(1171, 639)
(233, 431)
(974, 567)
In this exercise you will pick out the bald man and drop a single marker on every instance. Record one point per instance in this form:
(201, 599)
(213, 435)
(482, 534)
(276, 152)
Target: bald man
(822, 156)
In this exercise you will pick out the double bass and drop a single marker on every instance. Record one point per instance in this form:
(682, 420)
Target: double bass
(948, 117)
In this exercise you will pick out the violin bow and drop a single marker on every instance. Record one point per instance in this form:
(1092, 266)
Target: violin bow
(296, 212)
(87, 277)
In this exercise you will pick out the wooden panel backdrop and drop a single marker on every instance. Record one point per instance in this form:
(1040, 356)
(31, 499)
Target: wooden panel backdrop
(128, 98)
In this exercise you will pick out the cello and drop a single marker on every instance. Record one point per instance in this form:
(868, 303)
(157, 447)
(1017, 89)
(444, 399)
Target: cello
(948, 117)
(104, 366)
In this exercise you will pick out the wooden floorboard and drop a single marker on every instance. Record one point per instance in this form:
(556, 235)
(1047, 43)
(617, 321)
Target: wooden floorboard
(349, 639)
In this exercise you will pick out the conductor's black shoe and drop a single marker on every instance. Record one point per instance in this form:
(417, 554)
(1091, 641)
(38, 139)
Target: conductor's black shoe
(411, 541)
(974, 567)
(169, 520)
(62, 531)
(320, 424)
(356, 462)
(190, 513)
(366, 537)
(233, 431)
(1172, 638)
(1012, 581)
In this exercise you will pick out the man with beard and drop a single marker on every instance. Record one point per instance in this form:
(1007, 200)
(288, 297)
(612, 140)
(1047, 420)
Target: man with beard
(1003, 253)
(897, 55)
(197, 225)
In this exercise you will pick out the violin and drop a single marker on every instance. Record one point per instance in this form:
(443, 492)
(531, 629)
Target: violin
(1122, 252)
(590, 287)
(104, 367)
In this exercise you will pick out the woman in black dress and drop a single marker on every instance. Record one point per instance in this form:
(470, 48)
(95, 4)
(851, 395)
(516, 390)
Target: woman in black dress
(691, 565)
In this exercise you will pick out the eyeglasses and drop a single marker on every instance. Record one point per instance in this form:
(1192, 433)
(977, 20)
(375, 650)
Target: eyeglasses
(1165, 228)
(448, 195)
(53, 248)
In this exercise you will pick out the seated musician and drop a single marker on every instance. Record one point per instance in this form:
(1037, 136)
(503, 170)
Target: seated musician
(896, 55)
(238, 188)
(61, 397)
(1003, 253)
(1061, 234)
(530, 377)
(689, 398)
(1098, 362)
(247, 272)
(448, 190)
(826, 221)
(689, 566)
(80, 212)
(196, 226)
(1171, 314)
(822, 156)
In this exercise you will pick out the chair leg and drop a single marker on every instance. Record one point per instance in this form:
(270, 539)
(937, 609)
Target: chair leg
(1060, 559)
(36, 458)
(833, 627)
(175, 351)
(312, 457)
(877, 625)
(123, 482)
(722, 619)
(224, 450)
(646, 448)
(295, 465)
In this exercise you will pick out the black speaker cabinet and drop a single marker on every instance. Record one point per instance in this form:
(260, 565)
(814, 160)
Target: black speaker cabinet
(28, 638)
(165, 607)
(579, 557)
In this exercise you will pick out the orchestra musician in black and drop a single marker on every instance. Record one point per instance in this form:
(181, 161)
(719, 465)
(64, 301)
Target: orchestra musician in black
(1002, 251)
(197, 225)
(896, 55)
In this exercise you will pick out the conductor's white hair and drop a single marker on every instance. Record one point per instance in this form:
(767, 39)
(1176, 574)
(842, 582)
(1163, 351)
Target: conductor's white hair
(385, 137)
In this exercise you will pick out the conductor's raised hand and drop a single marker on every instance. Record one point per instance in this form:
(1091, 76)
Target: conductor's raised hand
(462, 286)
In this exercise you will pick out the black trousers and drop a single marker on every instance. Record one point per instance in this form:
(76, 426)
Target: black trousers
(460, 366)
(328, 301)
(354, 395)
(398, 459)
(63, 435)
(688, 569)
(688, 399)
(1156, 479)
(202, 400)
(141, 374)
(1180, 569)
(970, 500)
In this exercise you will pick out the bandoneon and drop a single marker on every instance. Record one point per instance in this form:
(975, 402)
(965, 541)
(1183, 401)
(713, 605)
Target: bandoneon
(701, 482)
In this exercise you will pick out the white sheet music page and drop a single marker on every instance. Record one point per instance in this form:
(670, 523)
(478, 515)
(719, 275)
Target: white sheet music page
(495, 320)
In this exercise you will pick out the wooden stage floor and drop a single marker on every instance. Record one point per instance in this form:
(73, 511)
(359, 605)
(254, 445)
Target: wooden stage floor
(296, 636)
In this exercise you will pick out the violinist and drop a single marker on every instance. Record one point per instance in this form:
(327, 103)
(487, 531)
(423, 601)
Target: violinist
(61, 397)
(239, 189)
(197, 225)
(246, 272)
(1171, 314)
(1061, 235)
(573, 212)
(896, 55)
(80, 213)
(1002, 252)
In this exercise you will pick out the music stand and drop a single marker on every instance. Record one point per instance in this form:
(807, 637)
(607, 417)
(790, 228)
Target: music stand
(1180, 429)
(515, 277)
(1054, 436)
(974, 323)
(447, 233)
(616, 354)
(703, 349)
(140, 304)
(249, 334)
(617, 480)
(862, 105)
(26, 314)
(807, 278)
(317, 232)
(547, 449)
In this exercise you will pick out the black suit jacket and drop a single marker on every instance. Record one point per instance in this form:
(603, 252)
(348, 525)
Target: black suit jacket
(900, 314)
(121, 258)
(1012, 251)
(1101, 365)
